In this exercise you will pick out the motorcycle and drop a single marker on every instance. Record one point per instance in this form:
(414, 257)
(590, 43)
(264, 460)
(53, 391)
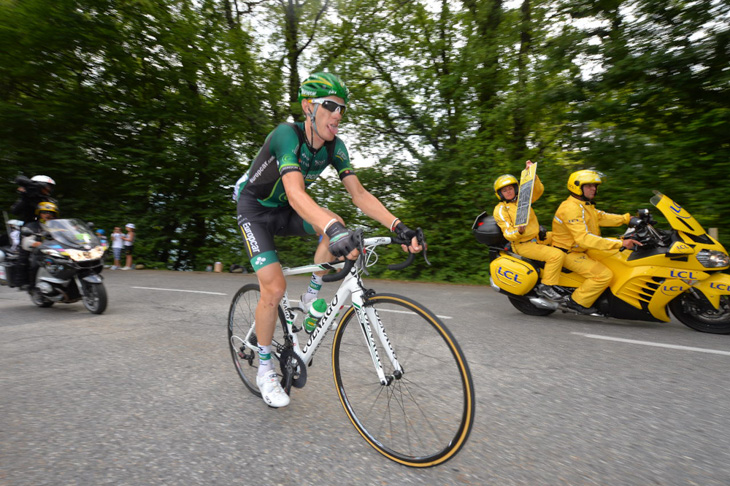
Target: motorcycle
(679, 270)
(69, 264)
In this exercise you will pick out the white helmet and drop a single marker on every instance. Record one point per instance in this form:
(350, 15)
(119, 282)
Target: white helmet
(43, 179)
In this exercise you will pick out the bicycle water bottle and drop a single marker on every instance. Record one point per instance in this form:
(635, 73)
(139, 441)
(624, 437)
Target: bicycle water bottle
(315, 313)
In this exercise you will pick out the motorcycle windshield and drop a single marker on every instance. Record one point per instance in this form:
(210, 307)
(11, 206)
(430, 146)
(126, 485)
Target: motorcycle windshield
(72, 233)
(678, 217)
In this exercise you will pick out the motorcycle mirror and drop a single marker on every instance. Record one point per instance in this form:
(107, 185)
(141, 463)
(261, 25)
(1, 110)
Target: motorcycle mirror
(644, 214)
(636, 222)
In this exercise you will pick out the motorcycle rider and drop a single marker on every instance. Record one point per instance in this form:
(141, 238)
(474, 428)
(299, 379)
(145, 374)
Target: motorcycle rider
(31, 193)
(524, 238)
(46, 211)
(576, 228)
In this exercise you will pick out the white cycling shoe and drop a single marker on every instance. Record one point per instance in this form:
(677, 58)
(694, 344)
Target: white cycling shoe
(271, 390)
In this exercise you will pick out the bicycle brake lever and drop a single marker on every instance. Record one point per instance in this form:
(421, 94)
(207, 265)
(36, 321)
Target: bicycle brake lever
(422, 240)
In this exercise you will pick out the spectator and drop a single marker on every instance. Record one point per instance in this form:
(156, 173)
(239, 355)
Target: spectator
(117, 247)
(101, 234)
(128, 245)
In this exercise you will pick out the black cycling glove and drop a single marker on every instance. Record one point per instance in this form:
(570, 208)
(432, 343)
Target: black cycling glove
(341, 241)
(404, 232)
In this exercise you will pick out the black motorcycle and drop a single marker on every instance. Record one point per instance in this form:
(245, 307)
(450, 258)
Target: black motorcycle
(69, 262)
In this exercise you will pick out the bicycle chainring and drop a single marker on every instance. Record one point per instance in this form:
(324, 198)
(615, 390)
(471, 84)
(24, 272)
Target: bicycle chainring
(293, 370)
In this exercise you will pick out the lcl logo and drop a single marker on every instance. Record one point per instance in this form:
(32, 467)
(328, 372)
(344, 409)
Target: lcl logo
(508, 274)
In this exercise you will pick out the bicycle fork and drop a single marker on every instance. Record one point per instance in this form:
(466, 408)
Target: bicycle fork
(369, 318)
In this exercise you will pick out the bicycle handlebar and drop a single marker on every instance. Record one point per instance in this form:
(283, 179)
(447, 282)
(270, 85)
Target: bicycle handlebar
(396, 266)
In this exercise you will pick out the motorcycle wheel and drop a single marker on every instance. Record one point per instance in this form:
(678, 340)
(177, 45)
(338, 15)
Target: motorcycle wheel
(95, 299)
(37, 297)
(528, 308)
(686, 308)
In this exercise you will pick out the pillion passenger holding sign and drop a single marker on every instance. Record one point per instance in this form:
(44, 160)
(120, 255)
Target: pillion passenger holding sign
(524, 238)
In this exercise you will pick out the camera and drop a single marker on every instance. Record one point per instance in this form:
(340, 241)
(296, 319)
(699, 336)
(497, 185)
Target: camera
(32, 188)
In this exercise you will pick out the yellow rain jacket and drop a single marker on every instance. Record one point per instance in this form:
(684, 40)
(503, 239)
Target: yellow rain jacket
(505, 213)
(576, 226)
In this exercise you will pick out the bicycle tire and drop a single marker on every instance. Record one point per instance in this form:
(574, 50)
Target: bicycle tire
(423, 418)
(241, 317)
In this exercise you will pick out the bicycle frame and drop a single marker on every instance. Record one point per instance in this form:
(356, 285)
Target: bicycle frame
(419, 420)
(351, 286)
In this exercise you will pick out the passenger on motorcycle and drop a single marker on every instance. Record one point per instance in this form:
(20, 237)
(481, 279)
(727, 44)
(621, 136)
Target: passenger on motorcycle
(31, 192)
(524, 238)
(45, 211)
(576, 228)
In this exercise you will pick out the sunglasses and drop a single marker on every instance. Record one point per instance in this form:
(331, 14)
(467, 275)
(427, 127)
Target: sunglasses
(330, 105)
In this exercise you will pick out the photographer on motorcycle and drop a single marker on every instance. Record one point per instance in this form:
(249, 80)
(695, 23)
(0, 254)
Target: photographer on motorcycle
(576, 228)
(525, 238)
(32, 192)
(45, 211)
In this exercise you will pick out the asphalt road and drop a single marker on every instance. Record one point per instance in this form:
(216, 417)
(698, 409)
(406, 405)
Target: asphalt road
(146, 394)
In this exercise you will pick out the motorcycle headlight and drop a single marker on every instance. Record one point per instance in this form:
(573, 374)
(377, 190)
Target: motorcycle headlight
(51, 252)
(75, 255)
(80, 256)
(713, 259)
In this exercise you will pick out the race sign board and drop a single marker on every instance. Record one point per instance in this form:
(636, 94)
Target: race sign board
(524, 198)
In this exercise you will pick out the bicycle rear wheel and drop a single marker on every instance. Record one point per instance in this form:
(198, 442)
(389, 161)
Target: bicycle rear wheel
(422, 417)
(242, 336)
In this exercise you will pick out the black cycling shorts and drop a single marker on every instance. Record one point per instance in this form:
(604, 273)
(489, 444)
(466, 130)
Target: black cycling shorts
(259, 224)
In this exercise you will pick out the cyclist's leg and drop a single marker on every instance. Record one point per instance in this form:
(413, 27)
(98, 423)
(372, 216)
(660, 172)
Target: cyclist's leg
(257, 226)
(321, 255)
(272, 284)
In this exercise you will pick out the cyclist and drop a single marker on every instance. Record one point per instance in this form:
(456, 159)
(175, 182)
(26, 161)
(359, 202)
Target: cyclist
(272, 200)
(524, 238)
(576, 228)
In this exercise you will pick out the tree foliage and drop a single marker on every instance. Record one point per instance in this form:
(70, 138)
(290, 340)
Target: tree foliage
(148, 112)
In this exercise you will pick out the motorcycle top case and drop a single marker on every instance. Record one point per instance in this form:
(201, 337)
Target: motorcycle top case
(513, 275)
(487, 231)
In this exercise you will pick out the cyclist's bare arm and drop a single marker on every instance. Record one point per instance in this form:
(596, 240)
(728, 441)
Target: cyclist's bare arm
(306, 207)
(371, 206)
(303, 203)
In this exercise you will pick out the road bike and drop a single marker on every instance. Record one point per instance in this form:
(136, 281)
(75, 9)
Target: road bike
(400, 375)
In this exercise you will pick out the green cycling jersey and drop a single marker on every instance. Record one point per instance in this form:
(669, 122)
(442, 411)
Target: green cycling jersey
(282, 152)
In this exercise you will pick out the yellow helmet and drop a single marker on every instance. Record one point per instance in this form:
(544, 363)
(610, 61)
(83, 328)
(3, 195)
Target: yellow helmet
(577, 179)
(504, 181)
(46, 206)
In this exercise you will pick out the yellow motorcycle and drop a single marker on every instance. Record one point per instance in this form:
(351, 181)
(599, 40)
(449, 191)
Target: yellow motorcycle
(679, 269)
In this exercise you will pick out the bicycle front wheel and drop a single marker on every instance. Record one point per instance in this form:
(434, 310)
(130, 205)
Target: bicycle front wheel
(242, 334)
(422, 416)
